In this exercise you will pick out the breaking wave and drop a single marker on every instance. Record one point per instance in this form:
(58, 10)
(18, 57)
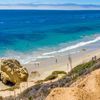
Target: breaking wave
(27, 58)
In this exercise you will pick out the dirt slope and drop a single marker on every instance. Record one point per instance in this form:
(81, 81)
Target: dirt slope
(86, 89)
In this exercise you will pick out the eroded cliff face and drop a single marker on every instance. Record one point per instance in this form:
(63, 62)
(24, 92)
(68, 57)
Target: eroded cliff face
(86, 89)
(11, 71)
(72, 80)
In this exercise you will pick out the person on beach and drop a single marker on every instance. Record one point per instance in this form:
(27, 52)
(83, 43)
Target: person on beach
(37, 64)
(94, 58)
(56, 60)
(70, 61)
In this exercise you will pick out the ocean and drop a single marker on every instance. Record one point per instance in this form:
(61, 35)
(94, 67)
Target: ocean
(35, 34)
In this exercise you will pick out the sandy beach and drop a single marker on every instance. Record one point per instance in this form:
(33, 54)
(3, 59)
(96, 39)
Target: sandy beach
(46, 66)
(46, 45)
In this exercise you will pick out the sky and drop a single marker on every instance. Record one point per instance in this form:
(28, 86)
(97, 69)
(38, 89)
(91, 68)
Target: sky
(15, 4)
(51, 1)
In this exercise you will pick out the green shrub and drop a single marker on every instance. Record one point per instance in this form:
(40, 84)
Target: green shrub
(73, 74)
(51, 77)
(81, 68)
(39, 81)
(30, 98)
(13, 88)
(59, 72)
(54, 75)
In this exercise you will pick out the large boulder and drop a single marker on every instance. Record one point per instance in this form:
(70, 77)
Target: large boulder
(12, 71)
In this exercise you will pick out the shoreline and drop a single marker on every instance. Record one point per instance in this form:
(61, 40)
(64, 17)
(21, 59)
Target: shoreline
(58, 63)
(45, 71)
(46, 66)
(52, 51)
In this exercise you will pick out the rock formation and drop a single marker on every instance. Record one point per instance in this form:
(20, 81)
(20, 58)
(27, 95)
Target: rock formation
(11, 71)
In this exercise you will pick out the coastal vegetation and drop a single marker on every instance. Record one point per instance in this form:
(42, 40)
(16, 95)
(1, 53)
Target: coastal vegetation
(41, 90)
(84, 88)
(81, 69)
(54, 75)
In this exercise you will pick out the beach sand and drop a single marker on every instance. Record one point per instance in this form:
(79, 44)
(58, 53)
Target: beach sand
(46, 66)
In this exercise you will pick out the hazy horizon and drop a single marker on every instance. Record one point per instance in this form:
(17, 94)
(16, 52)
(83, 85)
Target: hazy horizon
(52, 4)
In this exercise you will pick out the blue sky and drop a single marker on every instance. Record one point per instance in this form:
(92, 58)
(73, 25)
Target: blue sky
(51, 1)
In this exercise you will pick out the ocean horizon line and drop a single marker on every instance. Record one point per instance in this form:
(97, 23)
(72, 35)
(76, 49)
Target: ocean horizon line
(67, 6)
(55, 9)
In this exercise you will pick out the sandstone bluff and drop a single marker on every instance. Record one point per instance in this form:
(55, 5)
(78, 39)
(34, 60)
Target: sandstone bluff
(12, 72)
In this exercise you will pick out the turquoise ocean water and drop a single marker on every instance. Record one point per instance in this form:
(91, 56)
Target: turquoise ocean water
(29, 31)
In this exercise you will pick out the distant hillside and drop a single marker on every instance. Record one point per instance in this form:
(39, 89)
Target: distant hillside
(69, 6)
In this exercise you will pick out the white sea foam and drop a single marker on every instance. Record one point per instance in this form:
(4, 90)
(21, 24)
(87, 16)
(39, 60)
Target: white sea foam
(25, 59)
(29, 59)
(73, 46)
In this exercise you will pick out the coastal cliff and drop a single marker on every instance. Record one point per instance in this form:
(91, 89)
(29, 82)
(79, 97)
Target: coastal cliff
(86, 89)
(82, 82)
(41, 91)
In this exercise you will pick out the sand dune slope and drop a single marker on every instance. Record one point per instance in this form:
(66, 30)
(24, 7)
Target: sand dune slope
(87, 89)
(73, 93)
